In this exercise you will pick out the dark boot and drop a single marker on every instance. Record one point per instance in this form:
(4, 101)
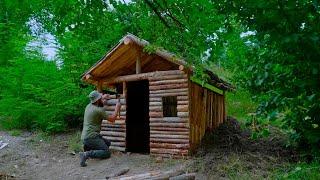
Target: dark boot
(83, 158)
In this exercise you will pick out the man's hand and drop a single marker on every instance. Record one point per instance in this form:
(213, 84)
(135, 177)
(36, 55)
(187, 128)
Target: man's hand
(116, 113)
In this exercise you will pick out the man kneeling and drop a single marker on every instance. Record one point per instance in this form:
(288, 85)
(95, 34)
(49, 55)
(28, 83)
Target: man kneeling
(94, 145)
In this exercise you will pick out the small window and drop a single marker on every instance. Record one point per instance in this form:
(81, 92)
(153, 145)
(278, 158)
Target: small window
(169, 106)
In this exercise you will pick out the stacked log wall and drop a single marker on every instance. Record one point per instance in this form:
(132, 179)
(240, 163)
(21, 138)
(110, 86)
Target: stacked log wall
(207, 112)
(169, 136)
(115, 132)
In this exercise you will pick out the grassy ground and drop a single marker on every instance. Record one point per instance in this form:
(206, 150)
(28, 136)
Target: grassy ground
(240, 105)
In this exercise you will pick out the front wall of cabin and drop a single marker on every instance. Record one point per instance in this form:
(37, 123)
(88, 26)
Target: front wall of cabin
(169, 136)
(198, 110)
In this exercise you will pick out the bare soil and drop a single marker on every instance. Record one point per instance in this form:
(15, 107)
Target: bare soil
(228, 153)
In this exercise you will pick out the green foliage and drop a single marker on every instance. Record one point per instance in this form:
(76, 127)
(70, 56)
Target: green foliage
(281, 65)
(299, 171)
(278, 65)
(240, 105)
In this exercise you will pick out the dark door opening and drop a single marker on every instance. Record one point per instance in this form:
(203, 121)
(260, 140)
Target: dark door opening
(137, 123)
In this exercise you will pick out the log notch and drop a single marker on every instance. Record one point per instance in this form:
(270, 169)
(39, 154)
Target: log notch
(207, 112)
(169, 136)
(116, 132)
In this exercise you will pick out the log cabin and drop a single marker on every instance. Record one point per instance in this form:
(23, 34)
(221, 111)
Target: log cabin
(165, 110)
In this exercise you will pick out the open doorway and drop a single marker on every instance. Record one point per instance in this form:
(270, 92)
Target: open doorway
(137, 123)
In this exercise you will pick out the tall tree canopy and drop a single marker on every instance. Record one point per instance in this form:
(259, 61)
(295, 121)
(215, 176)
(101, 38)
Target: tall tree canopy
(270, 47)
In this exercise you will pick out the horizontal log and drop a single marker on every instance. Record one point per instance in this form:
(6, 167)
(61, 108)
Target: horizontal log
(169, 151)
(120, 144)
(118, 121)
(167, 174)
(169, 94)
(172, 125)
(122, 113)
(141, 76)
(175, 81)
(113, 129)
(117, 148)
(170, 132)
(168, 77)
(169, 129)
(142, 176)
(169, 146)
(183, 98)
(112, 108)
(155, 99)
(117, 139)
(177, 141)
(181, 102)
(123, 126)
(155, 108)
(113, 133)
(155, 103)
(165, 91)
(188, 176)
(155, 114)
(169, 120)
(183, 108)
(183, 114)
(115, 101)
(170, 136)
(113, 96)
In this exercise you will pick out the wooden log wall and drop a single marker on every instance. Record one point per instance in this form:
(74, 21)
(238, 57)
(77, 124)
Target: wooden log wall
(115, 132)
(207, 112)
(169, 136)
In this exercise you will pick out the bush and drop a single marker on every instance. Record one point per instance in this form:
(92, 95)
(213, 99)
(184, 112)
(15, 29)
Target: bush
(35, 94)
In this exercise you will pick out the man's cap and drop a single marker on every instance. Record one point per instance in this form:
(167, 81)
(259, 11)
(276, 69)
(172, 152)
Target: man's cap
(94, 96)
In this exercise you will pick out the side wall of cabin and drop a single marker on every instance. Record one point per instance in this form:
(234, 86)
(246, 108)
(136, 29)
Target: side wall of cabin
(207, 111)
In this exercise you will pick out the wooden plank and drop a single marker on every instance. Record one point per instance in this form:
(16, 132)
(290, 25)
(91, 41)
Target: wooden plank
(183, 114)
(168, 77)
(172, 81)
(155, 114)
(184, 129)
(113, 133)
(177, 141)
(182, 93)
(171, 125)
(117, 139)
(170, 136)
(141, 76)
(169, 145)
(170, 132)
(165, 91)
(168, 86)
(169, 120)
(183, 98)
(117, 148)
(119, 144)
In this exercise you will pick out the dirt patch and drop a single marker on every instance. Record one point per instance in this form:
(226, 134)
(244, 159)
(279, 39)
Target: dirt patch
(229, 152)
(32, 157)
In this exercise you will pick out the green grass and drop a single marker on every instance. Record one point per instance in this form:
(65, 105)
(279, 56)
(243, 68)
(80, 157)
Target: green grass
(240, 105)
(74, 143)
(299, 171)
(15, 132)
